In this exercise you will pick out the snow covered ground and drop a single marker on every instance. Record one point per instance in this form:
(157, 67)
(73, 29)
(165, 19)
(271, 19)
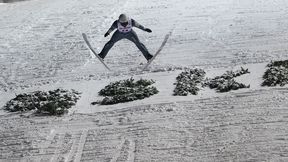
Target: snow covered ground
(41, 48)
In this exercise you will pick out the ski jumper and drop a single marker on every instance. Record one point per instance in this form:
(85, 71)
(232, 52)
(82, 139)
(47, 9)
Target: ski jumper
(125, 32)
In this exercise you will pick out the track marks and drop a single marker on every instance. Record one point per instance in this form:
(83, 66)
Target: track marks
(80, 146)
(126, 152)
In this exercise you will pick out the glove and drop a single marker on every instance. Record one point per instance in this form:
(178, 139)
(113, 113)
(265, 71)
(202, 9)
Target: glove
(106, 34)
(148, 30)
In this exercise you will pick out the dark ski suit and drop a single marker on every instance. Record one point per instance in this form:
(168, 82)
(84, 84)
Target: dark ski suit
(130, 35)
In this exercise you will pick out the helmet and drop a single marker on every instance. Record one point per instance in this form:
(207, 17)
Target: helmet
(123, 18)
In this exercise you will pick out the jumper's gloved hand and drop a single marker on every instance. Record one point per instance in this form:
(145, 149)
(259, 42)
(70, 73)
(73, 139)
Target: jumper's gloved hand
(106, 34)
(148, 30)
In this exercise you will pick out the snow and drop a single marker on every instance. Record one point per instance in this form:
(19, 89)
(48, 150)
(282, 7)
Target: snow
(41, 48)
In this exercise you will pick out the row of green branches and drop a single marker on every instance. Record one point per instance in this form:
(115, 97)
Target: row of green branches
(189, 81)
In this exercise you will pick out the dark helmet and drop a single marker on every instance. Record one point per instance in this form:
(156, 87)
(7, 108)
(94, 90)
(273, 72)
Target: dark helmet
(123, 18)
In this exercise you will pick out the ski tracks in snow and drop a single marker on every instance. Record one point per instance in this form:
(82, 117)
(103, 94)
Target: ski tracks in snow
(243, 126)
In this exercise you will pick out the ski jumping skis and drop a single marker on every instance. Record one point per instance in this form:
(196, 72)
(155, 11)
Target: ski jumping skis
(148, 63)
(158, 51)
(92, 50)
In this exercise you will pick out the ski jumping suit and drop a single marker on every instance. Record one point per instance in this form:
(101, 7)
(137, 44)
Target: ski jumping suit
(128, 33)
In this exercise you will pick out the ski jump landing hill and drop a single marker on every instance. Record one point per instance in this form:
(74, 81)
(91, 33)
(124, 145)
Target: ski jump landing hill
(41, 48)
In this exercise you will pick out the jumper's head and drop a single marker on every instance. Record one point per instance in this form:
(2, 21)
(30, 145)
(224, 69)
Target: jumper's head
(123, 19)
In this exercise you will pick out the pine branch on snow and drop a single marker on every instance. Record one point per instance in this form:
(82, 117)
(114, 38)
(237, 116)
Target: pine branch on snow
(126, 90)
(55, 102)
(226, 82)
(188, 82)
(276, 74)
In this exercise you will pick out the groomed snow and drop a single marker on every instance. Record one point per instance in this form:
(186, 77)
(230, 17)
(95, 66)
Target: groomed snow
(41, 48)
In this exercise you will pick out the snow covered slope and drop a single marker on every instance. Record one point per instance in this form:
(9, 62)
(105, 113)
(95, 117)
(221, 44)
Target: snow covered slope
(41, 48)
(41, 40)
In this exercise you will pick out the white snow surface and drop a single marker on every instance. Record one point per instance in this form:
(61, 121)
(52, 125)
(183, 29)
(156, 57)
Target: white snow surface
(41, 48)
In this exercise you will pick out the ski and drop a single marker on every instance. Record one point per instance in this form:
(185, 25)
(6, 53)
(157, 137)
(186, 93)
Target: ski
(158, 51)
(92, 50)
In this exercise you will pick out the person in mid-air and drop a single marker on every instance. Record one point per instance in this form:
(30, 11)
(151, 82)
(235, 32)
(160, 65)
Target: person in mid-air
(124, 30)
